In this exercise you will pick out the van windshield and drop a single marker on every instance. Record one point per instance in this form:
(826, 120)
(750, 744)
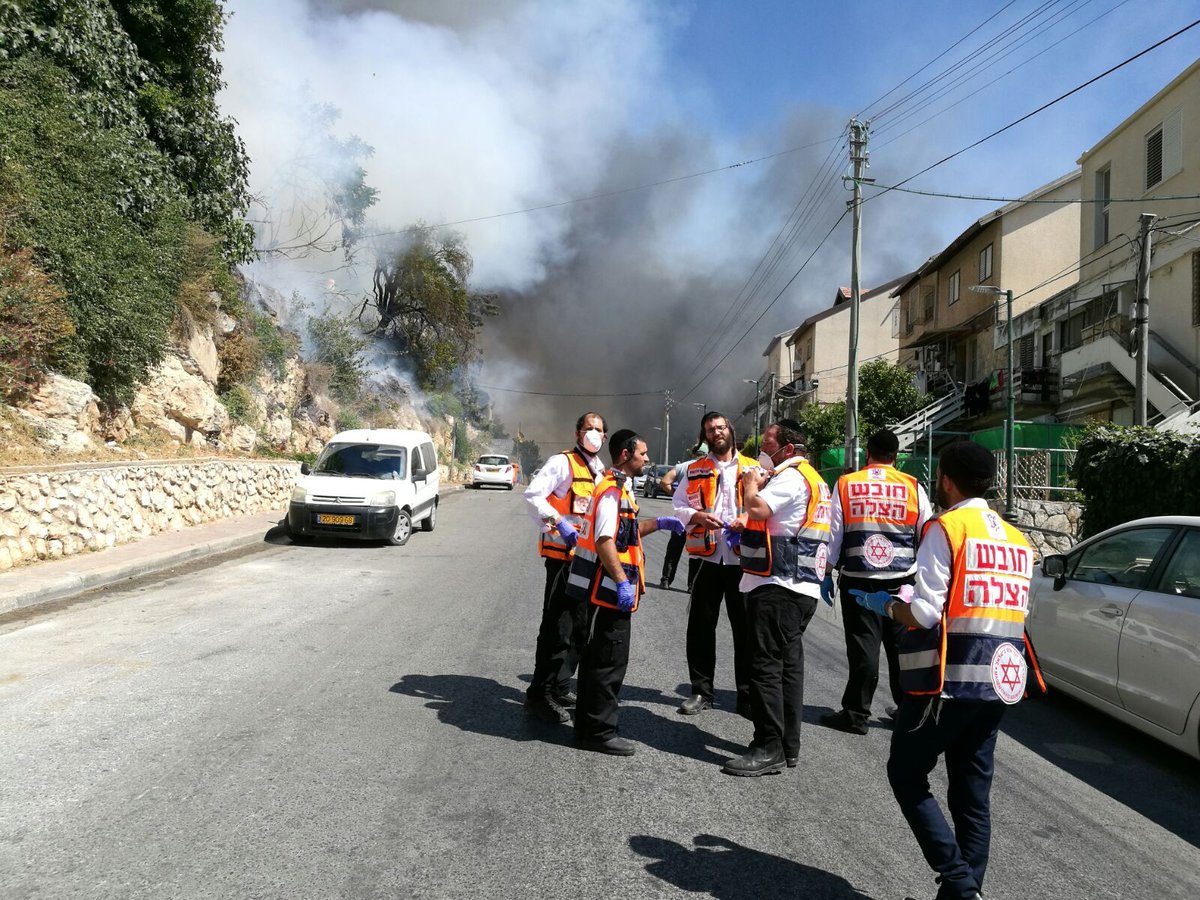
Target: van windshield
(363, 461)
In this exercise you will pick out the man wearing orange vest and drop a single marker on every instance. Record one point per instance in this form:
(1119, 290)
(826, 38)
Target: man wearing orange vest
(963, 660)
(608, 576)
(708, 500)
(559, 498)
(878, 513)
(783, 562)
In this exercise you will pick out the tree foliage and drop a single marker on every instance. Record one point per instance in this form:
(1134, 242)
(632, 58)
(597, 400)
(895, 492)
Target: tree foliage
(422, 303)
(824, 426)
(527, 453)
(886, 395)
(338, 346)
(148, 69)
(34, 325)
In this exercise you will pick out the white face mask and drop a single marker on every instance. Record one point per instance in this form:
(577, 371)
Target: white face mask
(765, 461)
(593, 440)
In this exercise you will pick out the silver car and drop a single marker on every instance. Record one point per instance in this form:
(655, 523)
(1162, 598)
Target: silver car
(1116, 623)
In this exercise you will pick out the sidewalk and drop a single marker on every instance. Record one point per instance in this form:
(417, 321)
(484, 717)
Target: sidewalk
(45, 582)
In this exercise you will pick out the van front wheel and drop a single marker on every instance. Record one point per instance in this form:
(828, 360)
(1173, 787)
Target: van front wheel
(403, 529)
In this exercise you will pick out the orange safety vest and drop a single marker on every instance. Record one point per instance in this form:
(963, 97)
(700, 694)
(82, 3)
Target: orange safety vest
(979, 650)
(588, 579)
(880, 510)
(704, 480)
(802, 556)
(572, 506)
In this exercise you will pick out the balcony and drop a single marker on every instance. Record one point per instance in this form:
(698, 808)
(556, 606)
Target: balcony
(1031, 384)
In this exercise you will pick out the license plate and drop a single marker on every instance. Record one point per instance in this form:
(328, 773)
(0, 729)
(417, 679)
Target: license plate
(327, 519)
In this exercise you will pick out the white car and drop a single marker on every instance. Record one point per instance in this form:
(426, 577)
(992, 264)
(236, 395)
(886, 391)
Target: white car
(493, 468)
(1116, 623)
(368, 483)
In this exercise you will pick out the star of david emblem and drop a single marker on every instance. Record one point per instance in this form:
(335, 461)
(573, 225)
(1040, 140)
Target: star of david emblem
(1008, 673)
(878, 553)
(1011, 674)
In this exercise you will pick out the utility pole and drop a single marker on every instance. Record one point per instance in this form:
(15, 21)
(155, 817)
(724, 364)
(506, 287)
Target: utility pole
(1141, 322)
(858, 157)
(667, 428)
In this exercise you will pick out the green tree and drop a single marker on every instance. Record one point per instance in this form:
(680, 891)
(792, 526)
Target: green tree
(886, 395)
(338, 346)
(824, 426)
(527, 453)
(421, 302)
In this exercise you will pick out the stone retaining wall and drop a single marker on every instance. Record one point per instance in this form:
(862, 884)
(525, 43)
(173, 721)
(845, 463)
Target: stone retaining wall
(1058, 517)
(47, 515)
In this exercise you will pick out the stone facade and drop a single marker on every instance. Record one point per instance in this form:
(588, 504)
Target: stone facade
(1060, 521)
(48, 515)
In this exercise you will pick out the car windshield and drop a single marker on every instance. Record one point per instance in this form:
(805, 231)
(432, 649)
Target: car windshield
(363, 461)
(493, 460)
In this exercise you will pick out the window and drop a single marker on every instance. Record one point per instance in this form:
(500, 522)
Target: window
(985, 263)
(952, 297)
(1182, 575)
(1196, 289)
(1123, 559)
(1164, 150)
(927, 302)
(1024, 352)
(910, 312)
(895, 317)
(1100, 207)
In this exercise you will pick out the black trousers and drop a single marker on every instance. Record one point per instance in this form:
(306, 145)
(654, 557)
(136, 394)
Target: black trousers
(777, 620)
(671, 561)
(560, 635)
(602, 672)
(965, 733)
(713, 584)
(865, 630)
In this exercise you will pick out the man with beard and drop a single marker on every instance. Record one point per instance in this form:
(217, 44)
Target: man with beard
(559, 499)
(608, 575)
(783, 561)
(708, 500)
(964, 659)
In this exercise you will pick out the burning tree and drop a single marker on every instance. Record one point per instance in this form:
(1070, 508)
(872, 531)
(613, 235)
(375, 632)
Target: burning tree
(421, 302)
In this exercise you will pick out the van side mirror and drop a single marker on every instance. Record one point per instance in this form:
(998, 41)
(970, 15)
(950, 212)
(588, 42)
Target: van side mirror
(305, 469)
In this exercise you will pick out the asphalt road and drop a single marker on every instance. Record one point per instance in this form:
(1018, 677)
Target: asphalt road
(347, 721)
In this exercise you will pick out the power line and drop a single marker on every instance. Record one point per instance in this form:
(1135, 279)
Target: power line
(1041, 108)
(508, 390)
(883, 188)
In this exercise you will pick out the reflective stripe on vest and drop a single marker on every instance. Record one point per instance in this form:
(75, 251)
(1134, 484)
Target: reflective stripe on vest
(572, 506)
(880, 510)
(978, 650)
(587, 579)
(799, 557)
(703, 482)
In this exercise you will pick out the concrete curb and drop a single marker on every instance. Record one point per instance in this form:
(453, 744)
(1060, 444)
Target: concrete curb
(46, 582)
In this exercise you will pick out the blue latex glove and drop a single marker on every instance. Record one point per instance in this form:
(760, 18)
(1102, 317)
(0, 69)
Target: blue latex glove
(874, 601)
(568, 531)
(827, 590)
(733, 539)
(626, 595)
(669, 523)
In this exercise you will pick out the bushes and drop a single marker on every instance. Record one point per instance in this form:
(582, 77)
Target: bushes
(69, 182)
(34, 325)
(238, 404)
(1128, 473)
(338, 346)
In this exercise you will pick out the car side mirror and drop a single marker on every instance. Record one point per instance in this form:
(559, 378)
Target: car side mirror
(1054, 566)
(305, 469)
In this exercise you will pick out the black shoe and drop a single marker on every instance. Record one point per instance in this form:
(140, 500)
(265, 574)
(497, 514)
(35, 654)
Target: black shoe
(547, 708)
(613, 746)
(695, 704)
(664, 584)
(842, 721)
(564, 697)
(757, 762)
(745, 710)
(889, 712)
(792, 761)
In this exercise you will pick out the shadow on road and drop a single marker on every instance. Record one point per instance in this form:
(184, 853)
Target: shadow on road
(1149, 778)
(481, 706)
(726, 870)
(678, 736)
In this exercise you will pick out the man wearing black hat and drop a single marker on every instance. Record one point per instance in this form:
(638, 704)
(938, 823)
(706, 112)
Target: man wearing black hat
(963, 659)
(878, 515)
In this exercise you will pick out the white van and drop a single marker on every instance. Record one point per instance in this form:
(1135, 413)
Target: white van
(371, 483)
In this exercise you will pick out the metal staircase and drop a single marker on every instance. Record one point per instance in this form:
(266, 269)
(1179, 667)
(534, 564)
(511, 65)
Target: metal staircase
(940, 412)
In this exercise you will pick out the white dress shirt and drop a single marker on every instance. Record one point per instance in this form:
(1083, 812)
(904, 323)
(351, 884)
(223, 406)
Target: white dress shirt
(837, 531)
(725, 507)
(555, 478)
(787, 496)
(935, 564)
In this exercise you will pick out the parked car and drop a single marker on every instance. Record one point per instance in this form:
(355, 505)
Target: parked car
(493, 468)
(652, 488)
(367, 483)
(1116, 623)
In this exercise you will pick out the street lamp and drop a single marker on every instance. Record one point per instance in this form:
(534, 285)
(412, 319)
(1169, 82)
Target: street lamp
(754, 381)
(1010, 423)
